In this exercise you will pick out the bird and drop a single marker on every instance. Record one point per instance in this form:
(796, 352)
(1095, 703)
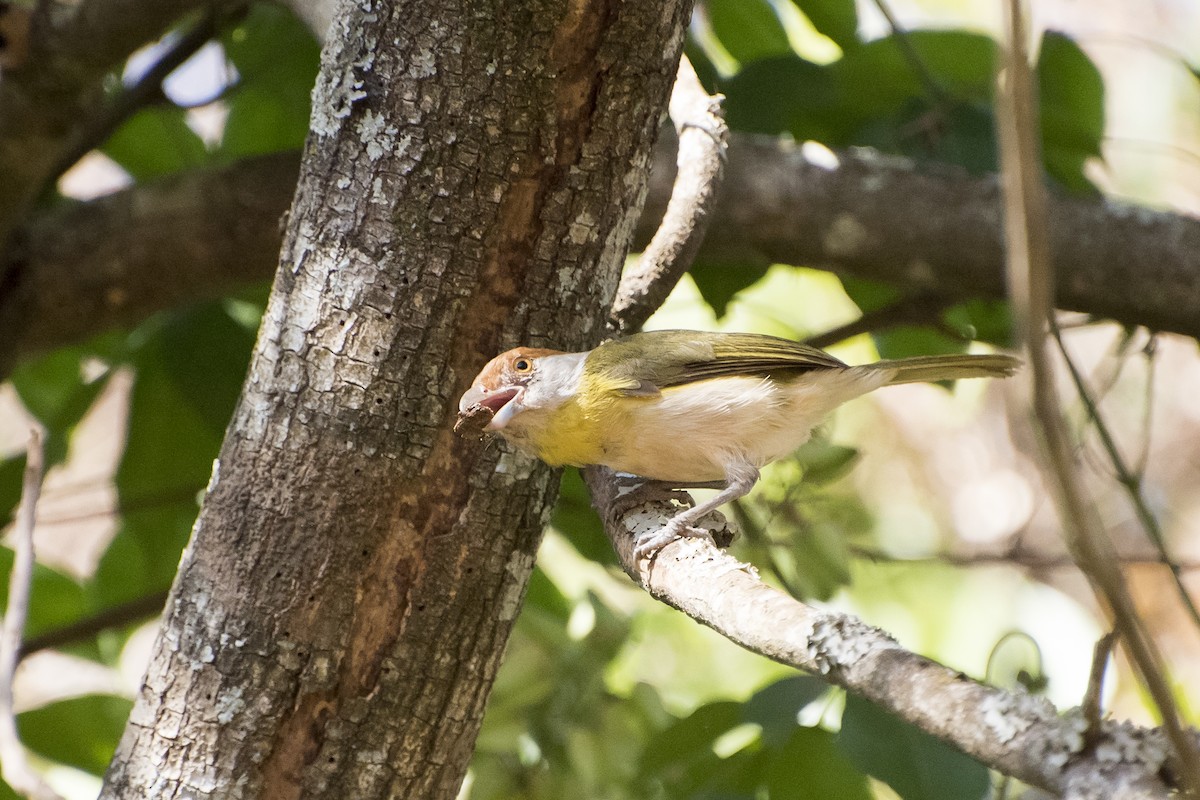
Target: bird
(683, 409)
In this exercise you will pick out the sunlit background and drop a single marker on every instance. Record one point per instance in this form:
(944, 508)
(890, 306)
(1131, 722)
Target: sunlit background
(935, 503)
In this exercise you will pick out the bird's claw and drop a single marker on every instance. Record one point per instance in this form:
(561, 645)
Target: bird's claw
(649, 492)
(649, 543)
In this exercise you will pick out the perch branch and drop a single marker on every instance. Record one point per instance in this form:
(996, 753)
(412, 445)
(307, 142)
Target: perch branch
(1013, 732)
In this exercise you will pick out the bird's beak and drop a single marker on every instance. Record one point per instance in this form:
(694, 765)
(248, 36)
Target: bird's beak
(504, 403)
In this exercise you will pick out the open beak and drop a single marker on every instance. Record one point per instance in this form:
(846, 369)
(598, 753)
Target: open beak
(504, 403)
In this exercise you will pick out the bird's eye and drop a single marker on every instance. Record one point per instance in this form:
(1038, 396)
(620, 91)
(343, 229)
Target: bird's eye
(522, 365)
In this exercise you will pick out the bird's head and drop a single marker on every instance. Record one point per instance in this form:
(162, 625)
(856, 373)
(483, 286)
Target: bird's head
(521, 381)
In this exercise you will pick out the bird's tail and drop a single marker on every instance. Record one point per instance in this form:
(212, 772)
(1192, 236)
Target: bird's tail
(920, 369)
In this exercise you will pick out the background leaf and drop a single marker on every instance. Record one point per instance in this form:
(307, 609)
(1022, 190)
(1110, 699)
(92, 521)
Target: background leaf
(810, 767)
(748, 29)
(837, 19)
(912, 762)
(81, 732)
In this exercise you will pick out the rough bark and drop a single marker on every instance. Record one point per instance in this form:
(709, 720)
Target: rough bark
(87, 269)
(472, 179)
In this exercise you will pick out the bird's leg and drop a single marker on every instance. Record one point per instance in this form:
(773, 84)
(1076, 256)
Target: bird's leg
(637, 491)
(741, 479)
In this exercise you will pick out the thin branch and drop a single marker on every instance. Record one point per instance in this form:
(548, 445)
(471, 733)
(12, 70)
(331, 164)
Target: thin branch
(105, 263)
(83, 629)
(937, 95)
(1013, 732)
(914, 309)
(1130, 481)
(1015, 556)
(116, 260)
(14, 762)
(1030, 284)
(700, 164)
(1093, 697)
(146, 91)
(72, 49)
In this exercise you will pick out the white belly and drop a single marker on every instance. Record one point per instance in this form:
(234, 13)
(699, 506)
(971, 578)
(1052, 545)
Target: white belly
(694, 433)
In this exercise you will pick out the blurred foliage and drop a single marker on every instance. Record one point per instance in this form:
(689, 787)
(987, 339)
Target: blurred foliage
(604, 693)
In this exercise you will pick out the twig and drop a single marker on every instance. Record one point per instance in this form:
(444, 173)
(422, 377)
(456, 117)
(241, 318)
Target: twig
(1015, 556)
(936, 93)
(1030, 285)
(14, 762)
(907, 310)
(700, 163)
(1130, 481)
(1014, 732)
(1093, 710)
(123, 614)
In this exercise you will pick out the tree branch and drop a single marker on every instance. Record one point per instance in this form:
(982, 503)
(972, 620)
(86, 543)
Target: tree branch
(116, 260)
(703, 140)
(1015, 733)
(146, 91)
(51, 95)
(939, 230)
(933, 232)
(87, 627)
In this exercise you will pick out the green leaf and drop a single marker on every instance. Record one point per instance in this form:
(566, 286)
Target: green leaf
(12, 473)
(869, 295)
(786, 94)
(963, 134)
(719, 283)
(82, 732)
(837, 19)
(705, 71)
(261, 121)
(575, 519)
(908, 341)
(188, 371)
(1071, 94)
(903, 341)
(775, 708)
(277, 60)
(983, 320)
(156, 142)
(824, 462)
(816, 559)
(877, 78)
(54, 598)
(916, 765)
(55, 390)
(690, 739)
(543, 595)
(810, 767)
(748, 29)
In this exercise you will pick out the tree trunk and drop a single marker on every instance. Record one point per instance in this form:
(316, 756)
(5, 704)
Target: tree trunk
(471, 180)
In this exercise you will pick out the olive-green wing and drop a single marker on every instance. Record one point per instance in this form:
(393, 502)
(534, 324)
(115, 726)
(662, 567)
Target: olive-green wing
(641, 363)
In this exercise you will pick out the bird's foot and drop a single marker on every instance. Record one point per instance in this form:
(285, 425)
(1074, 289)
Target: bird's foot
(642, 491)
(649, 543)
